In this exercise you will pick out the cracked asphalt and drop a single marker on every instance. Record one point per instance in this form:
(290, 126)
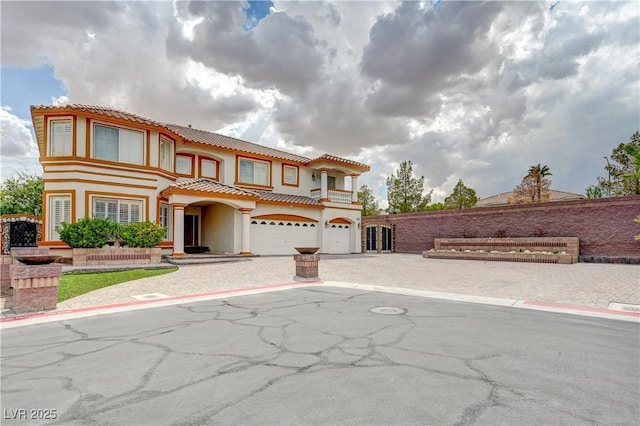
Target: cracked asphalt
(318, 355)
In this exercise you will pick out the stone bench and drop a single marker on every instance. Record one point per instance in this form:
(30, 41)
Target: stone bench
(529, 249)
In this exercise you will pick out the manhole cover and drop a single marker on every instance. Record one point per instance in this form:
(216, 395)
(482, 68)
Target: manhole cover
(388, 310)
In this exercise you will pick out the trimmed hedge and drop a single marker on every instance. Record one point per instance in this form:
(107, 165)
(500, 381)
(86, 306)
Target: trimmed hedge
(87, 233)
(143, 234)
(96, 232)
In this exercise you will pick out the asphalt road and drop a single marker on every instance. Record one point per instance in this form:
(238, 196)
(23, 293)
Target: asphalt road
(319, 355)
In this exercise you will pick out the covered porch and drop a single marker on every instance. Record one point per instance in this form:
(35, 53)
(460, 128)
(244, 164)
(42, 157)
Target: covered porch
(210, 216)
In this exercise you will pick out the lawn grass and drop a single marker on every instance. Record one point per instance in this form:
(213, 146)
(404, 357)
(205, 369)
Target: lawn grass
(75, 284)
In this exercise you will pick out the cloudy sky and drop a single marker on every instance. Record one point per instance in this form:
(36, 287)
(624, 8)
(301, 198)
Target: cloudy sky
(477, 91)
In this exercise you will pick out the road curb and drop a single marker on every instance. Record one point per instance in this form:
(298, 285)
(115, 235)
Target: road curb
(66, 314)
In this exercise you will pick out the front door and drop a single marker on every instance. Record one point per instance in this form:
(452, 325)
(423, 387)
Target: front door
(191, 230)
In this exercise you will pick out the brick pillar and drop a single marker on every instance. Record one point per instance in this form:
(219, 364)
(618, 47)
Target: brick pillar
(35, 287)
(306, 267)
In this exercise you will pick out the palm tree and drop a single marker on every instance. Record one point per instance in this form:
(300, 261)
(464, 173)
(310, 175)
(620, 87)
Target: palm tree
(538, 173)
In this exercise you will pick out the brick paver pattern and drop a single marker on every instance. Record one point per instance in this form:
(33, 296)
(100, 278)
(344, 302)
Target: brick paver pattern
(581, 284)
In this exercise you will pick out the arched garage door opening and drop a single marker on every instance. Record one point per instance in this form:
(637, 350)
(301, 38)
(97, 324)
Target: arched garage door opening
(279, 236)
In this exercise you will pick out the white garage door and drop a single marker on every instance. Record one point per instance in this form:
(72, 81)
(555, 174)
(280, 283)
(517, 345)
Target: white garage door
(281, 236)
(339, 238)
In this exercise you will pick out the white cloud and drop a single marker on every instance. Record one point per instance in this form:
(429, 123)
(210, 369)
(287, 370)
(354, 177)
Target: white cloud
(466, 90)
(19, 150)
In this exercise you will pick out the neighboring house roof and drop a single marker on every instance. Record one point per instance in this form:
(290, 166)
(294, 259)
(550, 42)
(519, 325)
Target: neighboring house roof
(504, 197)
(203, 185)
(198, 136)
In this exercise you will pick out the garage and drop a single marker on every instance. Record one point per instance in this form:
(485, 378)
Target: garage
(269, 236)
(339, 237)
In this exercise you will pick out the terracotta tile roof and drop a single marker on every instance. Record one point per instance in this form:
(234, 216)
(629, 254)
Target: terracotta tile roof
(334, 159)
(503, 198)
(200, 136)
(106, 112)
(213, 187)
(287, 198)
(222, 141)
(210, 186)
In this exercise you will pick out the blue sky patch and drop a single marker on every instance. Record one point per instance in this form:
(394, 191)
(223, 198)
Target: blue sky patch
(255, 12)
(23, 87)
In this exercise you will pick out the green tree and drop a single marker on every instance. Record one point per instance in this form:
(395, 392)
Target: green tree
(435, 207)
(22, 193)
(623, 168)
(405, 192)
(538, 173)
(595, 191)
(462, 197)
(369, 203)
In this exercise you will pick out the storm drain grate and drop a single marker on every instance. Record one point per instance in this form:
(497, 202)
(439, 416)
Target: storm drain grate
(624, 307)
(150, 296)
(388, 310)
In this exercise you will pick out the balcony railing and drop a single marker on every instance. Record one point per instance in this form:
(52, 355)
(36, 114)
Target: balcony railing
(335, 195)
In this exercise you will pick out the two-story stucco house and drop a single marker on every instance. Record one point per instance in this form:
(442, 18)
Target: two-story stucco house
(208, 190)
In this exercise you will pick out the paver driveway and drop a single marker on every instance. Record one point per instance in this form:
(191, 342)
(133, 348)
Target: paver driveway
(581, 284)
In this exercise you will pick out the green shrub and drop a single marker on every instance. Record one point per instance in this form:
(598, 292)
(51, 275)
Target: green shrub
(143, 234)
(86, 233)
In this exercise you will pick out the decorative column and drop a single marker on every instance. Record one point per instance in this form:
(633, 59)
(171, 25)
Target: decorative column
(354, 189)
(178, 229)
(323, 185)
(246, 236)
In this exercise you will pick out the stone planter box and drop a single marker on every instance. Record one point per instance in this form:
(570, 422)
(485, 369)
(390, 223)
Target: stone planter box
(116, 256)
(563, 258)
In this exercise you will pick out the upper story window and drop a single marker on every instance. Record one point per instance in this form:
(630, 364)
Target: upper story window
(289, 175)
(121, 145)
(61, 138)
(254, 172)
(166, 154)
(209, 168)
(331, 182)
(184, 165)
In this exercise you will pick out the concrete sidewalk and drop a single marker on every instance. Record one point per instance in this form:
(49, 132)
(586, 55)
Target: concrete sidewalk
(582, 284)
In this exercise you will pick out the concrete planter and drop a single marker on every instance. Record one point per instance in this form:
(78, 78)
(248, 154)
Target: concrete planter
(116, 256)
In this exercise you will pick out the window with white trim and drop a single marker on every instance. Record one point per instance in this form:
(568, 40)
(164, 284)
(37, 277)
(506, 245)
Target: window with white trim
(209, 168)
(59, 211)
(165, 214)
(183, 164)
(290, 175)
(254, 172)
(121, 145)
(166, 155)
(122, 211)
(61, 138)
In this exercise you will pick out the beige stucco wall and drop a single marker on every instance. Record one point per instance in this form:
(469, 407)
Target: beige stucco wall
(218, 228)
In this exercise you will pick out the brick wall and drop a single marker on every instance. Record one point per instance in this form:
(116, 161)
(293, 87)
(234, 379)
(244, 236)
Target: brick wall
(605, 227)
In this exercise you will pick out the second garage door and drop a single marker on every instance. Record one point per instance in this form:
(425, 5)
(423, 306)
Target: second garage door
(280, 237)
(339, 238)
